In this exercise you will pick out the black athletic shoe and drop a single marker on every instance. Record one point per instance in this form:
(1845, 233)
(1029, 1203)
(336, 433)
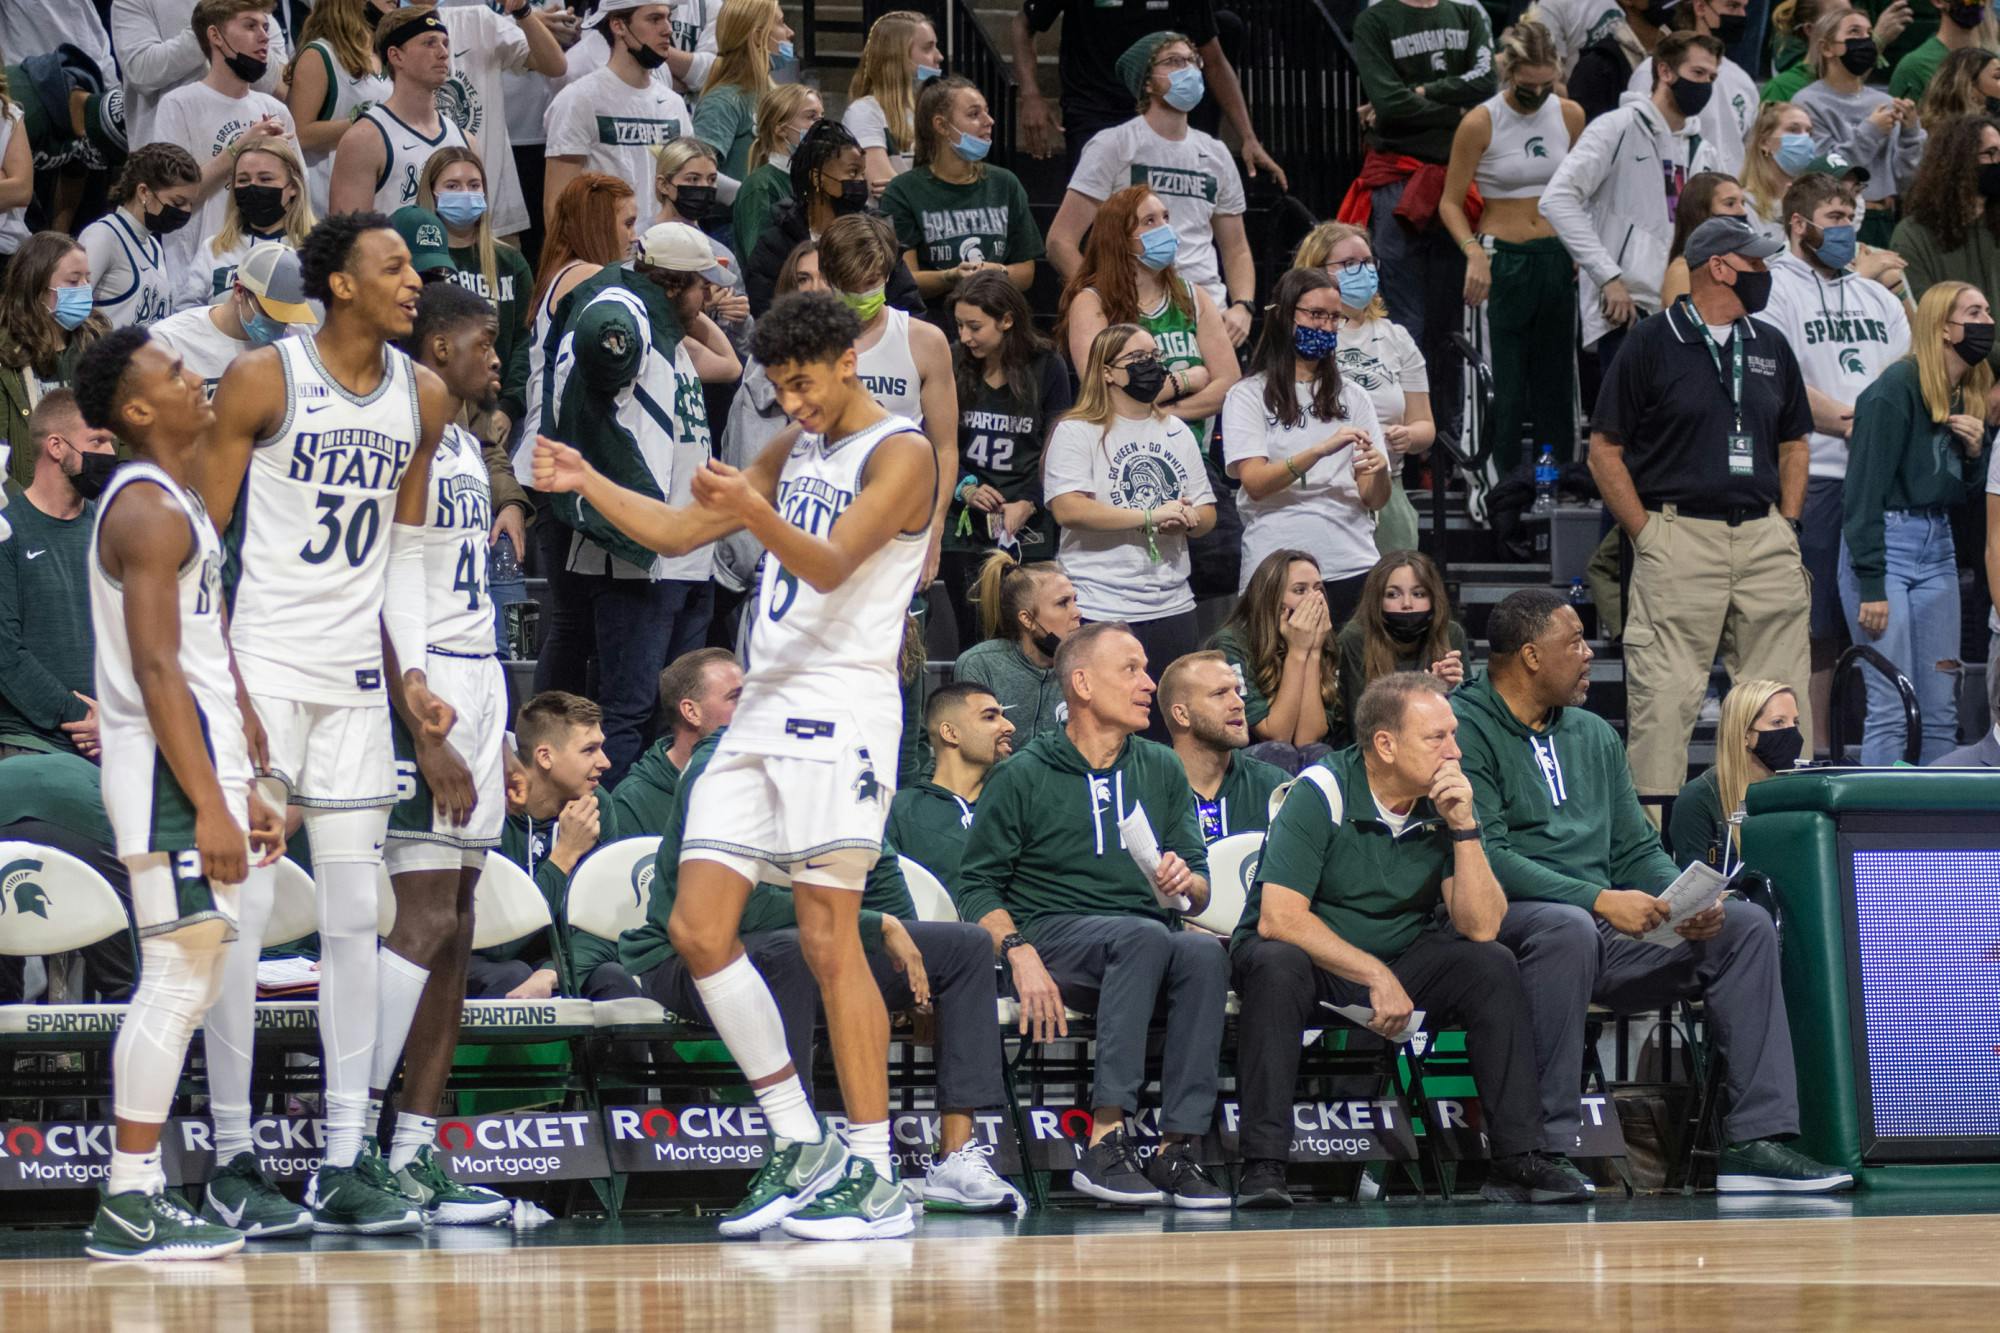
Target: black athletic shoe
(1530, 1177)
(1262, 1185)
(1572, 1170)
(1111, 1172)
(1184, 1181)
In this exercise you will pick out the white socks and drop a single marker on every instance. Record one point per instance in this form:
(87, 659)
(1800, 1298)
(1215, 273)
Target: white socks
(871, 1144)
(741, 1010)
(136, 1173)
(348, 994)
(413, 1134)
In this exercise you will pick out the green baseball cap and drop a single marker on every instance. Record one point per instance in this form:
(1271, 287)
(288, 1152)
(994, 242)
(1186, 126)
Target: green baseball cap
(1837, 165)
(423, 231)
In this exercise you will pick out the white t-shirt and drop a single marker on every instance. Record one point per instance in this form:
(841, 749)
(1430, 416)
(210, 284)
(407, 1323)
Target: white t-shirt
(212, 270)
(614, 127)
(127, 270)
(1195, 177)
(13, 221)
(527, 96)
(1382, 358)
(869, 125)
(1133, 464)
(483, 45)
(1325, 515)
(206, 349)
(206, 122)
(157, 51)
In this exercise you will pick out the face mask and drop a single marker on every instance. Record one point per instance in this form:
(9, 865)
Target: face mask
(1989, 180)
(1314, 344)
(262, 207)
(247, 68)
(694, 201)
(73, 305)
(782, 57)
(1729, 28)
(1046, 642)
(1530, 99)
(1860, 57)
(461, 208)
(1836, 247)
(1158, 247)
(167, 220)
(1993, 106)
(1967, 16)
(1185, 87)
(1753, 290)
(1795, 151)
(925, 73)
(259, 327)
(1778, 750)
(1690, 97)
(853, 197)
(866, 305)
(647, 57)
(971, 149)
(93, 473)
(1407, 626)
(1144, 379)
(1975, 345)
(1357, 288)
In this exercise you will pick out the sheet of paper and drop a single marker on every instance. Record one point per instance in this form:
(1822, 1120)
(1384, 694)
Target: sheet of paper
(1698, 889)
(1361, 1016)
(1137, 833)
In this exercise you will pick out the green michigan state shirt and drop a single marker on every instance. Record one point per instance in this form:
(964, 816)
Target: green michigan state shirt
(984, 221)
(614, 127)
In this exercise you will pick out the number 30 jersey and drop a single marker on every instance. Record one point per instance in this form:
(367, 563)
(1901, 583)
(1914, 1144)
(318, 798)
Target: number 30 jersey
(460, 514)
(312, 532)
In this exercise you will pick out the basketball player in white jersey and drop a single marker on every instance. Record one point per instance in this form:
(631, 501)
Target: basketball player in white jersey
(454, 793)
(321, 453)
(379, 161)
(177, 779)
(798, 791)
(904, 363)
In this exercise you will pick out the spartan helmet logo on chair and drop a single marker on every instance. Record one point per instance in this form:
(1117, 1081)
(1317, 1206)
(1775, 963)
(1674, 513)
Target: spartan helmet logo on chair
(20, 893)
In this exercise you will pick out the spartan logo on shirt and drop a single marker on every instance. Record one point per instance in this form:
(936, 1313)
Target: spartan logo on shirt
(637, 131)
(458, 102)
(409, 190)
(1176, 182)
(1836, 327)
(1141, 479)
(20, 892)
(811, 504)
(1363, 369)
(462, 502)
(358, 457)
(1433, 42)
(972, 251)
(866, 787)
(228, 133)
(1535, 147)
(1850, 361)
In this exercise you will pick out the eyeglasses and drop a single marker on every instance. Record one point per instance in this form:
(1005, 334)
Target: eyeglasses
(1319, 319)
(1172, 63)
(1350, 267)
(1135, 359)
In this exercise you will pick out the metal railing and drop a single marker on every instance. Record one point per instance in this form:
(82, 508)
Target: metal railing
(1844, 670)
(1302, 84)
(818, 24)
(970, 52)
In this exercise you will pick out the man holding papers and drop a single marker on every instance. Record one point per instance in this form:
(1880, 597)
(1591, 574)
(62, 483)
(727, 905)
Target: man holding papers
(1366, 845)
(1583, 870)
(1051, 870)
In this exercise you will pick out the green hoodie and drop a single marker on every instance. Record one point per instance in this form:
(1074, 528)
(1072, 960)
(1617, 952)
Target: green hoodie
(643, 800)
(930, 823)
(1031, 695)
(1046, 843)
(1562, 822)
(526, 842)
(643, 948)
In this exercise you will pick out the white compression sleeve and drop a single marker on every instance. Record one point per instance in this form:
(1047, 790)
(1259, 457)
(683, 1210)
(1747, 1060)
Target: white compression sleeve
(402, 986)
(178, 977)
(404, 614)
(348, 993)
(229, 1031)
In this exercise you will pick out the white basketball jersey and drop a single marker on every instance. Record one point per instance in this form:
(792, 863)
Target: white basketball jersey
(461, 513)
(814, 653)
(404, 152)
(312, 532)
(130, 750)
(134, 288)
(890, 372)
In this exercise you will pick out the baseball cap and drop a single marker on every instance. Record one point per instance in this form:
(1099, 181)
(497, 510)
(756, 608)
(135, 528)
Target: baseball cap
(423, 231)
(679, 248)
(1730, 236)
(1836, 164)
(271, 273)
(606, 8)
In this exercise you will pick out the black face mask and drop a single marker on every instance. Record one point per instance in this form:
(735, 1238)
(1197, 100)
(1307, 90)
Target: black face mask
(1530, 99)
(853, 198)
(1046, 642)
(93, 473)
(1993, 106)
(247, 68)
(1860, 57)
(1690, 97)
(1145, 379)
(1778, 750)
(694, 201)
(1407, 626)
(647, 57)
(1967, 16)
(1989, 180)
(169, 219)
(1729, 28)
(262, 207)
(1975, 343)
(1753, 290)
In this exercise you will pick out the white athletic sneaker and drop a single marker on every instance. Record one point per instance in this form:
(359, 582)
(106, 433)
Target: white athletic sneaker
(965, 1182)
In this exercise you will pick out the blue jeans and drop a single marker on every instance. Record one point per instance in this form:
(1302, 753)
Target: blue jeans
(1921, 588)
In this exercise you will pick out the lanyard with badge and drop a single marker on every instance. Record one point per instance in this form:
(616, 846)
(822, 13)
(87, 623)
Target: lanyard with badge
(1742, 450)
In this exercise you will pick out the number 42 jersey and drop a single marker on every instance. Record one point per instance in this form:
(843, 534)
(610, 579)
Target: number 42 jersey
(312, 532)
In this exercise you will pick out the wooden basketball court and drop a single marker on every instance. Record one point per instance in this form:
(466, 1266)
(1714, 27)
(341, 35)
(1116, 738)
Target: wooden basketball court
(1821, 1267)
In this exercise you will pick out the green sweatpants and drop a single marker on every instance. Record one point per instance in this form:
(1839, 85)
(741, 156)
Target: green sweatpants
(1531, 334)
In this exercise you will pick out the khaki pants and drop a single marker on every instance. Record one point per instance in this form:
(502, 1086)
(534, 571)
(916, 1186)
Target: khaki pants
(1700, 587)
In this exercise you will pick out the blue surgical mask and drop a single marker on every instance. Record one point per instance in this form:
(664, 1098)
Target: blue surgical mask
(73, 305)
(1795, 151)
(1184, 88)
(259, 327)
(971, 149)
(782, 57)
(1836, 247)
(461, 208)
(925, 73)
(1314, 344)
(1358, 286)
(1158, 247)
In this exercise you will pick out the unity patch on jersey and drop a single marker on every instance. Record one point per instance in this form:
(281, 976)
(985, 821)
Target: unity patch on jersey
(810, 729)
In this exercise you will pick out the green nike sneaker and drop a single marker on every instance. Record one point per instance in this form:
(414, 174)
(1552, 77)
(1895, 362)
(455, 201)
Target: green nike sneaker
(360, 1200)
(790, 1178)
(135, 1225)
(241, 1197)
(863, 1206)
(444, 1201)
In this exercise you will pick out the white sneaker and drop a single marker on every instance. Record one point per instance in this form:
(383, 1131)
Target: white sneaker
(965, 1182)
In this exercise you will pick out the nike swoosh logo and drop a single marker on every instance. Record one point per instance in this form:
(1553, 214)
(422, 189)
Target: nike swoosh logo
(33, 554)
(317, 407)
(231, 1219)
(817, 865)
(143, 1237)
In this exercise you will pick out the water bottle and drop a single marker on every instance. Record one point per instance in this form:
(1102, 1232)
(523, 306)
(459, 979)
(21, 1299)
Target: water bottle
(1578, 595)
(1545, 481)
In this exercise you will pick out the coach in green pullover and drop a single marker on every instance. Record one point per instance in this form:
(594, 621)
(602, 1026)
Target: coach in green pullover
(1047, 872)
(1568, 841)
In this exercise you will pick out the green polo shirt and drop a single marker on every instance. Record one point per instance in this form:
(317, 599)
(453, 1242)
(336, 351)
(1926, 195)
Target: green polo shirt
(1374, 889)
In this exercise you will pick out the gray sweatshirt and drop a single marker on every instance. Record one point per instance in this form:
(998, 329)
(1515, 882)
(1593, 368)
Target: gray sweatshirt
(1840, 125)
(1030, 694)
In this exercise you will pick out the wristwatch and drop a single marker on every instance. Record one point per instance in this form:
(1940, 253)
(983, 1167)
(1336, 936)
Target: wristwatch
(1248, 309)
(1465, 834)
(1011, 943)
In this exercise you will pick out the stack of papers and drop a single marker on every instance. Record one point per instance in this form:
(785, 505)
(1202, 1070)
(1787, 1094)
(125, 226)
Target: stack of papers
(1145, 850)
(279, 977)
(1699, 888)
(1361, 1016)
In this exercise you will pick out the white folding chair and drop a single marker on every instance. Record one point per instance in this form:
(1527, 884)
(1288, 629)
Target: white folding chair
(385, 903)
(931, 898)
(506, 905)
(1232, 865)
(294, 904)
(52, 903)
(607, 895)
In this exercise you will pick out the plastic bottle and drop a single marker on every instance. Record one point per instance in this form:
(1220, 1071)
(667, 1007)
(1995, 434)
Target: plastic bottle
(1545, 481)
(1578, 595)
